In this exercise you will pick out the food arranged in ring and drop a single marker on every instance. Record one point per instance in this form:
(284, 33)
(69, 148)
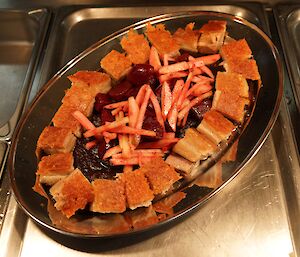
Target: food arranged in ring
(126, 134)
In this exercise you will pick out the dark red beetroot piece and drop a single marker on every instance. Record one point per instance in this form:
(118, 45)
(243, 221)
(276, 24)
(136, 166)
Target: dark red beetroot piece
(151, 123)
(118, 92)
(200, 109)
(101, 100)
(106, 116)
(141, 74)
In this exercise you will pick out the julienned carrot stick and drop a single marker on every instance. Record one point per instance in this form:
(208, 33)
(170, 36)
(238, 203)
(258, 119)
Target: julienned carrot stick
(83, 120)
(199, 89)
(207, 71)
(195, 101)
(110, 135)
(158, 144)
(133, 131)
(116, 111)
(133, 111)
(116, 105)
(140, 95)
(174, 75)
(202, 79)
(172, 117)
(168, 135)
(142, 111)
(208, 59)
(166, 100)
(157, 110)
(138, 152)
(185, 89)
(106, 127)
(140, 160)
(111, 151)
(154, 59)
(177, 90)
(90, 144)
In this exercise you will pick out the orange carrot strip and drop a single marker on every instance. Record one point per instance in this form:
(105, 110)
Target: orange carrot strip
(174, 75)
(158, 144)
(116, 105)
(195, 101)
(133, 111)
(199, 89)
(140, 160)
(179, 66)
(133, 131)
(166, 100)
(90, 144)
(208, 59)
(83, 120)
(202, 79)
(185, 119)
(111, 151)
(196, 71)
(140, 95)
(116, 111)
(154, 59)
(207, 71)
(110, 135)
(172, 117)
(185, 89)
(106, 127)
(142, 111)
(177, 90)
(157, 110)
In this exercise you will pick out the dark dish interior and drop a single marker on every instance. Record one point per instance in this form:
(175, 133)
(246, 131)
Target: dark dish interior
(48, 101)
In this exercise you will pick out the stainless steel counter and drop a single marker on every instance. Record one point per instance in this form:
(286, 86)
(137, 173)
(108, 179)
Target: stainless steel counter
(254, 215)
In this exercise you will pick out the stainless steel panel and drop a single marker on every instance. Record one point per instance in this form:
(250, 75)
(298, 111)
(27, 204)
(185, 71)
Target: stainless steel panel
(20, 43)
(4, 183)
(288, 22)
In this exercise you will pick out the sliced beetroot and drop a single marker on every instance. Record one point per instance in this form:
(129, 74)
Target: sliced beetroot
(132, 91)
(106, 116)
(151, 123)
(141, 74)
(101, 100)
(119, 91)
(184, 57)
(200, 109)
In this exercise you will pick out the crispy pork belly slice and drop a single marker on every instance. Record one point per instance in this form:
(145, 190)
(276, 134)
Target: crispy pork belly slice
(194, 146)
(137, 189)
(161, 176)
(236, 50)
(110, 223)
(63, 118)
(117, 65)
(212, 36)
(233, 83)
(187, 38)
(136, 47)
(95, 82)
(142, 217)
(80, 98)
(215, 126)
(53, 168)
(109, 196)
(179, 163)
(230, 105)
(55, 140)
(246, 67)
(162, 40)
(72, 193)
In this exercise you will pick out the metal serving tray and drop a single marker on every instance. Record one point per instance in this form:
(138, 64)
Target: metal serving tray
(250, 217)
(288, 21)
(21, 38)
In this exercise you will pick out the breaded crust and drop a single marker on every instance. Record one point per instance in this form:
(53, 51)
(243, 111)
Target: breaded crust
(54, 167)
(230, 105)
(213, 26)
(162, 40)
(194, 146)
(136, 47)
(236, 50)
(187, 38)
(215, 126)
(72, 193)
(55, 140)
(117, 65)
(63, 118)
(233, 83)
(137, 189)
(80, 98)
(95, 82)
(160, 175)
(109, 196)
(247, 68)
